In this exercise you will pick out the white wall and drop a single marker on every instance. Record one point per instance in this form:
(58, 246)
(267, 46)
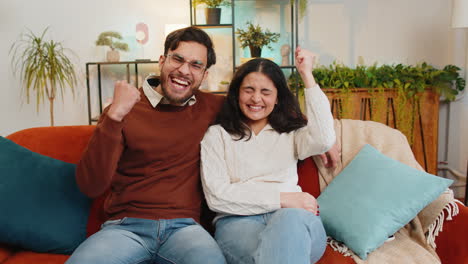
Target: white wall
(380, 31)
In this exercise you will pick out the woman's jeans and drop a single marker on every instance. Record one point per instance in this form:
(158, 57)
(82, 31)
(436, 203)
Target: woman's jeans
(287, 235)
(135, 240)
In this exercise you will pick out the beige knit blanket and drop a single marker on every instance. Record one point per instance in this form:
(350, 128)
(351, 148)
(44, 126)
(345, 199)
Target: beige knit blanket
(414, 243)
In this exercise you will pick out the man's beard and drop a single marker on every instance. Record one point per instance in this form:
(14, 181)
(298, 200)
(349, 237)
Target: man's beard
(173, 99)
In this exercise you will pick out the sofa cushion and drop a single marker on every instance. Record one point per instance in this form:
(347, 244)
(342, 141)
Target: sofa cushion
(373, 197)
(41, 207)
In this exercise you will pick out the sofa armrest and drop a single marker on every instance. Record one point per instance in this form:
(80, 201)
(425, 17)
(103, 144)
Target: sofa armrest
(452, 242)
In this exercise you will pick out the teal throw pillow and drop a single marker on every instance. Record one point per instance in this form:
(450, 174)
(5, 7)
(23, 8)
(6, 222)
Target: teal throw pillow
(41, 207)
(373, 197)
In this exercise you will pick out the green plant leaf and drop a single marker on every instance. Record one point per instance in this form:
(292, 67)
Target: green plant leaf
(409, 79)
(256, 37)
(43, 67)
(212, 3)
(107, 39)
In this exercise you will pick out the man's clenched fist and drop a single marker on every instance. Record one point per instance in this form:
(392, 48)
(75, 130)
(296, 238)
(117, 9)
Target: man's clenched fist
(125, 97)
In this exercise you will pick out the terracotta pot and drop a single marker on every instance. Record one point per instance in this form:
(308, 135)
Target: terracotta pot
(213, 16)
(113, 56)
(255, 52)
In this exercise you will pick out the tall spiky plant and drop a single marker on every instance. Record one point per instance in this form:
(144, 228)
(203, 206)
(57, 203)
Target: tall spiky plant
(43, 66)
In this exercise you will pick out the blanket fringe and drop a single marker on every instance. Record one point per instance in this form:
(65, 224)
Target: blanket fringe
(435, 228)
(340, 247)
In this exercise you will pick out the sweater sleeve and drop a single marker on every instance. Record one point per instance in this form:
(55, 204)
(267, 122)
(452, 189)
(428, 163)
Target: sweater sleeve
(97, 166)
(319, 135)
(222, 196)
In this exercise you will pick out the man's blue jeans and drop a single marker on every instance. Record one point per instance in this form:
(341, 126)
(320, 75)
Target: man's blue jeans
(287, 235)
(134, 240)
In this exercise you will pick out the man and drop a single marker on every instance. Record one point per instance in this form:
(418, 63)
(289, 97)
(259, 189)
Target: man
(146, 150)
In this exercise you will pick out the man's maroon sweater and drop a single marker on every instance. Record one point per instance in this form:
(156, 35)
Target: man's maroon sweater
(150, 160)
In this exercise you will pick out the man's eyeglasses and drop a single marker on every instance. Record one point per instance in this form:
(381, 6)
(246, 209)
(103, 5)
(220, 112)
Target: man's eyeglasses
(177, 61)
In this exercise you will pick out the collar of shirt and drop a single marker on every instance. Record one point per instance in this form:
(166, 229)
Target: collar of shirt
(266, 128)
(156, 98)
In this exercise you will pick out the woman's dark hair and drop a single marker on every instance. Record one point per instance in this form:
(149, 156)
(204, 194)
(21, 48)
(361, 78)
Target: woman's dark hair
(191, 34)
(285, 117)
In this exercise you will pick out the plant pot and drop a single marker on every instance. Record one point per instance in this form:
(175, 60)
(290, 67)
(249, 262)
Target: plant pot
(113, 56)
(255, 52)
(213, 16)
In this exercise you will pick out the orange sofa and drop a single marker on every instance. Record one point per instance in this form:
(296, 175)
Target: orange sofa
(67, 143)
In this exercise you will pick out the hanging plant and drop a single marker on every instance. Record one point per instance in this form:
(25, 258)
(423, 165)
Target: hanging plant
(412, 79)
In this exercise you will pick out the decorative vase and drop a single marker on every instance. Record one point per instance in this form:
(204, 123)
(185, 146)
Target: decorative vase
(213, 16)
(255, 51)
(113, 56)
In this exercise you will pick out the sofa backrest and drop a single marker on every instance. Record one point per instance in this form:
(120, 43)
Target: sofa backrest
(65, 143)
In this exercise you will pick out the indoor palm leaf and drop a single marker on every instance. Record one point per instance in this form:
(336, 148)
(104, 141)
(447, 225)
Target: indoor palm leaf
(43, 67)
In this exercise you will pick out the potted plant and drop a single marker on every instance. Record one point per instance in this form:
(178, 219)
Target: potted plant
(44, 67)
(213, 9)
(405, 97)
(109, 38)
(255, 38)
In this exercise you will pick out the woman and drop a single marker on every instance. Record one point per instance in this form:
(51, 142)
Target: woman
(249, 165)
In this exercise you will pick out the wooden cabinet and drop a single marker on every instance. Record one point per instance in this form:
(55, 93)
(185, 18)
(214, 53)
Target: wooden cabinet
(417, 119)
